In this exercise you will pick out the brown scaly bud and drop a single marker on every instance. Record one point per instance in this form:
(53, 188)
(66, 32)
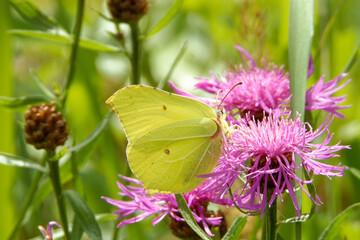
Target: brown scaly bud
(45, 127)
(127, 10)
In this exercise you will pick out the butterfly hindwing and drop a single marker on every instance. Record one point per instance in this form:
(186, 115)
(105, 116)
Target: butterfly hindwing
(169, 158)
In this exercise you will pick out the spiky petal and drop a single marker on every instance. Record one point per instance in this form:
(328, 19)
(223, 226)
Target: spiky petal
(263, 154)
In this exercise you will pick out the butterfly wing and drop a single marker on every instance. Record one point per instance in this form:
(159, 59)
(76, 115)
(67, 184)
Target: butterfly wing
(172, 138)
(169, 158)
(142, 108)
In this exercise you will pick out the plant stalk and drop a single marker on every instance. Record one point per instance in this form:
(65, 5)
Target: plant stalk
(74, 49)
(136, 52)
(56, 183)
(270, 221)
(28, 200)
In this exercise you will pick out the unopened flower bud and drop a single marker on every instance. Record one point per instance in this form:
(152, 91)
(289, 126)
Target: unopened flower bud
(127, 10)
(45, 127)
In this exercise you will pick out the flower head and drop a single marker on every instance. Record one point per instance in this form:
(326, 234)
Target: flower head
(262, 89)
(319, 96)
(47, 233)
(45, 127)
(127, 10)
(165, 204)
(266, 90)
(263, 153)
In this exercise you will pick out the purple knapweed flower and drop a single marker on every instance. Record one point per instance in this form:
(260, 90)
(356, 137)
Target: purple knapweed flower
(266, 90)
(263, 153)
(263, 89)
(165, 204)
(319, 96)
(47, 233)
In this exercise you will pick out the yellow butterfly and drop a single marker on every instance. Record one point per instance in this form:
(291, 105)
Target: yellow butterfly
(171, 138)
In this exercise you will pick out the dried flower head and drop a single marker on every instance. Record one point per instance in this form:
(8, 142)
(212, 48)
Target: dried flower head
(128, 10)
(45, 127)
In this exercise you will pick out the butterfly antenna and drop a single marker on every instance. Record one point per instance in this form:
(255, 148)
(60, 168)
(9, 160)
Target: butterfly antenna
(237, 84)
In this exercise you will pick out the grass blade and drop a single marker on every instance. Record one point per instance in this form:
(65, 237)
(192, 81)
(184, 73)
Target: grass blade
(353, 59)
(17, 161)
(84, 214)
(334, 227)
(189, 218)
(167, 18)
(301, 31)
(32, 15)
(65, 38)
(236, 228)
(11, 102)
(42, 87)
(173, 65)
(94, 135)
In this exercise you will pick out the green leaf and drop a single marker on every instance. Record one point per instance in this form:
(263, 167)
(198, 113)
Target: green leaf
(103, 217)
(303, 218)
(94, 135)
(173, 65)
(32, 15)
(236, 228)
(42, 87)
(301, 31)
(167, 18)
(84, 214)
(189, 217)
(77, 230)
(17, 161)
(21, 101)
(334, 227)
(327, 29)
(97, 46)
(355, 172)
(279, 237)
(353, 59)
(65, 38)
(60, 154)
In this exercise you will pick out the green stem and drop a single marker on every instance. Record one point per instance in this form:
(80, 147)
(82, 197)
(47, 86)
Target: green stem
(270, 221)
(28, 200)
(115, 232)
(56, 183)
(74, 49)
(136, 53)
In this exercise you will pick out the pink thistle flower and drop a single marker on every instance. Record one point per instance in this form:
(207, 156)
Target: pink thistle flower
(263, 154)
(263, 89)
(47, 233)
(318, 96)
(165, 204)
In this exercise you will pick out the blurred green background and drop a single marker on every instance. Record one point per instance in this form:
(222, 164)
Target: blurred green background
(210, 28)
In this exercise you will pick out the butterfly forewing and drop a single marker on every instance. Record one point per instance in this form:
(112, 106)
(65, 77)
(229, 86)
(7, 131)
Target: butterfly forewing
(141, 109)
